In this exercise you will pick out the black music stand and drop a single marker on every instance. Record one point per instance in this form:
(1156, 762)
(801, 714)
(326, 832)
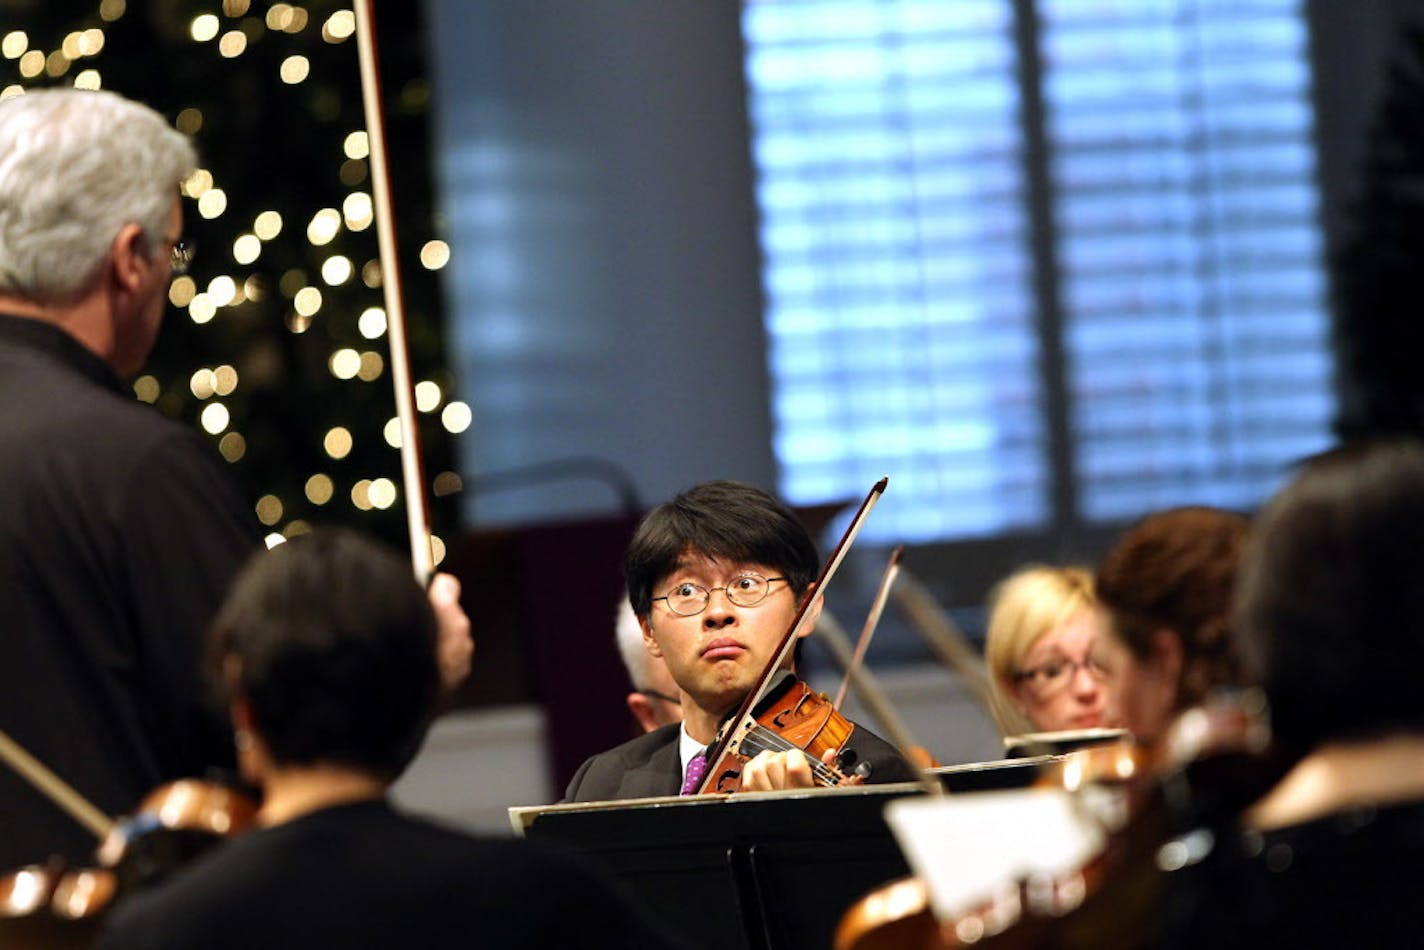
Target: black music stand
(760, 871)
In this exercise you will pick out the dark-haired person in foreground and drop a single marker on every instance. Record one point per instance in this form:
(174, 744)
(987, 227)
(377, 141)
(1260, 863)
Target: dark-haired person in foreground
(1331, 619)
(325, 651)
(715, 577)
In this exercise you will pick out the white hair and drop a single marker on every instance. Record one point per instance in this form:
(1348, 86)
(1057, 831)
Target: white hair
(76, 166)
(630, 645)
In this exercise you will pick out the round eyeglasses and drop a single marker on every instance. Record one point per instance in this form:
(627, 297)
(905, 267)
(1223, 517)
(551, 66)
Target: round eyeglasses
(1051, 678)
(744, 590)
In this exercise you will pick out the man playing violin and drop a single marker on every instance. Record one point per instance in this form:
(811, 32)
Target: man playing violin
(716, 577)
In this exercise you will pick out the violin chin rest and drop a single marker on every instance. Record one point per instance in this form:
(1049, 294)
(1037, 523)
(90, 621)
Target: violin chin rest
(848, 761)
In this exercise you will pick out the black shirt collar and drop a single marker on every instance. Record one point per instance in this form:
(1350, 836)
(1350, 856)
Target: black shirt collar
(45, 337)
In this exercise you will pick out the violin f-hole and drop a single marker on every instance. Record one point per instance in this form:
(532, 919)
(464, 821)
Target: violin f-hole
(729, 781)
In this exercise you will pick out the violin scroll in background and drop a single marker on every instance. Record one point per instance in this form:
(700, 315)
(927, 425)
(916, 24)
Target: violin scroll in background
(56, 907)
(173, 825)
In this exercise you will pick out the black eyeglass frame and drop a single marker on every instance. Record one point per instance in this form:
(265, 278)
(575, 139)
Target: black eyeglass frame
(1095, 669)
(726, 591)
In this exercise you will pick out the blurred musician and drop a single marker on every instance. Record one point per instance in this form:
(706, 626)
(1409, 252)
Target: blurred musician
(1043, 626)
(715, 577)
(1331, 618)
(119, 528)
(654, 700)
(1167, 585)
(326, 655)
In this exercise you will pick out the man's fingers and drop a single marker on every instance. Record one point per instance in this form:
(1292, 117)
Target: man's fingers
(776, 770)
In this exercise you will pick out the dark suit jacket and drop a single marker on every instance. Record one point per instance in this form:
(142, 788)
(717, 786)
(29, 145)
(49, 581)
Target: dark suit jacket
(649, 766)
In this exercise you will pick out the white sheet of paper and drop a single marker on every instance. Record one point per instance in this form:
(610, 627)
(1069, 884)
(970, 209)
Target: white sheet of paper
(967, 847)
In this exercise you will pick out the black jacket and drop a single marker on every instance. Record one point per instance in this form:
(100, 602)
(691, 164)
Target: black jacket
(119, 533)
(650, 766)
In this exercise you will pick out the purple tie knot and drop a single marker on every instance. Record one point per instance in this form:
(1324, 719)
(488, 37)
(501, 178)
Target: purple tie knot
(696, 768)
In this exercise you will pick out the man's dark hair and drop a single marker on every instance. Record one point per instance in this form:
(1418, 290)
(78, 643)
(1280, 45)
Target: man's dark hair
(1331, 605)
(728, 521)
(334, 644)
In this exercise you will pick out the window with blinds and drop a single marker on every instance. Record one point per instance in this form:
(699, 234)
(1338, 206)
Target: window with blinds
(1185, 203)
(1176, 209)
(897, 282)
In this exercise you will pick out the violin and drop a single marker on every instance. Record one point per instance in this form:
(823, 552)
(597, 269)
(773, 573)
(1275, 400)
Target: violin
(898, 916)
(792, 716)
(56, 906)
(53, 907)
(1213, 761)
(173, 825)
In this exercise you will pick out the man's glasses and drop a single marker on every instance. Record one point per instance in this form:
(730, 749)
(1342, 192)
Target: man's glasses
(1051, 678)
(744, 590)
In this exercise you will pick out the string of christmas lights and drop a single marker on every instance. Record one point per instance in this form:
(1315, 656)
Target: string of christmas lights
(280, 352)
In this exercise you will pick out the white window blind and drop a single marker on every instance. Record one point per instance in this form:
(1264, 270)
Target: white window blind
(886, 145)
(1183, 173)
(889, 143)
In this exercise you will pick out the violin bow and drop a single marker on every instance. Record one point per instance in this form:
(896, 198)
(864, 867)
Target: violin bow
(744, 719)
(869, 691)
(56, 789)
(943, 636)
(412, 478)
(872, 620)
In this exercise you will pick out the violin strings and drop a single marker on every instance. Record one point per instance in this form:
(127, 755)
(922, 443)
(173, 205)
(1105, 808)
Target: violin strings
(760, 739)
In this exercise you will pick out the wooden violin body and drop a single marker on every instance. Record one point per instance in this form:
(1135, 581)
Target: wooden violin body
(793, 716)
(59, 907)
(54, 907)
(173, 824)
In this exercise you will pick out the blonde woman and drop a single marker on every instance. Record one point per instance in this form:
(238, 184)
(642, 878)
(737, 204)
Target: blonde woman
(1043, 623)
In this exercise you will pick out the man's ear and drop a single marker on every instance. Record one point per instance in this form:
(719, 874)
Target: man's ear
(128, 258)
(642, 709)
(813, 613)
(648, 642)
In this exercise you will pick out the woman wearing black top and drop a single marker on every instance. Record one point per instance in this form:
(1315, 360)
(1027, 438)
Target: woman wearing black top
(1331, 620)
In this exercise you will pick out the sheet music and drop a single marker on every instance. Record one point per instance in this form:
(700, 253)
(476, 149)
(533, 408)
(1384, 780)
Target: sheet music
(968, 848)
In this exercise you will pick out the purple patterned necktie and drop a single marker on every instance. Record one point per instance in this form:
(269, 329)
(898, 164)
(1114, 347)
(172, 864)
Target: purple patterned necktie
(696, 768)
